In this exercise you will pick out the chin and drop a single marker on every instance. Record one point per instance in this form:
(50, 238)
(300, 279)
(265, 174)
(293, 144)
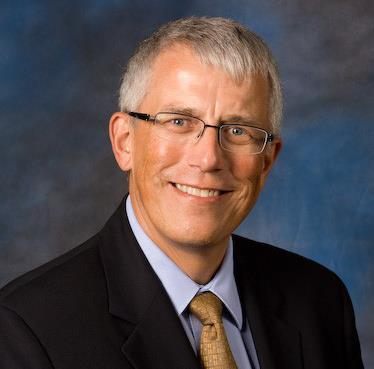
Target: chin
(196, 236)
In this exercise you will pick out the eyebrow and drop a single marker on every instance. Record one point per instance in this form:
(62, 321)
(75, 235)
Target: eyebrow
(180, 110)
(246, 120)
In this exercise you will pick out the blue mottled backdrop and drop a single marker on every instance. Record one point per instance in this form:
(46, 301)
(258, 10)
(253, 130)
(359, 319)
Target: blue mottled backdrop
(60, 66)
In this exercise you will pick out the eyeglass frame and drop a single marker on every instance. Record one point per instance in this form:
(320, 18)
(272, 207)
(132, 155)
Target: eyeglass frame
(149, 118)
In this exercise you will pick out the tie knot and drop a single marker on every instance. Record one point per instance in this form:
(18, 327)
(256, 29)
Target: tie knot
(207, 307)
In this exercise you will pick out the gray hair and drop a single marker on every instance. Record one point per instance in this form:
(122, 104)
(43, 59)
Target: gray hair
(220, 42)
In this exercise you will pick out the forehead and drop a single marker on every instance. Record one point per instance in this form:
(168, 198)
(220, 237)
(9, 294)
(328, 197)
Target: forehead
(178, 77)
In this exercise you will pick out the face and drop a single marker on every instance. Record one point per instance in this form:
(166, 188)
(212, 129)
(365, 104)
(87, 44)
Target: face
(162, 172)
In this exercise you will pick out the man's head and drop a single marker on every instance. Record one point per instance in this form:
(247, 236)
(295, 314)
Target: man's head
(190, 191)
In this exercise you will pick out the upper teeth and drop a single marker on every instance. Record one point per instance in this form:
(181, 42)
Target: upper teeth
(196, 191)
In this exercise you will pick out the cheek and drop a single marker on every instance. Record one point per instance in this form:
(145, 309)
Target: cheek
(247, 169)
(247, 173)
(152, 157)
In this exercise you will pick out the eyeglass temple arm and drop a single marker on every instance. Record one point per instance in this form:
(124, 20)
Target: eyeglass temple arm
(141, 116)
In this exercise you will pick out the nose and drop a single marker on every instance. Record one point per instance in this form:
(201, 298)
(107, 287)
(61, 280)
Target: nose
(206, 153)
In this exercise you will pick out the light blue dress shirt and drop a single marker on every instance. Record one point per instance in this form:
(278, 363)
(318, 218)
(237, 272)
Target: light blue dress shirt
(181, 289)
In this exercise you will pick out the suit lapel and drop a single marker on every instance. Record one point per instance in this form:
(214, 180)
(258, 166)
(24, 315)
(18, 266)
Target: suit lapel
(135, 294)
(278, 345)
(159, 341)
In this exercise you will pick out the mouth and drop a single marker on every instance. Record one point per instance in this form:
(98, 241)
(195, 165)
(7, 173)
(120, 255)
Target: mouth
(199, 192)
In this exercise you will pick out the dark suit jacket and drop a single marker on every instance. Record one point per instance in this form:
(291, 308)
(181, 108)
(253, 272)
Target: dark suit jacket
(102, 306)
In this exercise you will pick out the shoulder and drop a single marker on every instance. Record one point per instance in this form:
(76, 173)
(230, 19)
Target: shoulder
(285, 270)
(69, 277)
(272, 257)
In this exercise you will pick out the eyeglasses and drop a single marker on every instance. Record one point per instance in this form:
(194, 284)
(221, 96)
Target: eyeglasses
(181, 128)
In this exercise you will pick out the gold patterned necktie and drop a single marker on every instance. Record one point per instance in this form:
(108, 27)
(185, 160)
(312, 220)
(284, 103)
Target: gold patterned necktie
(215, 351)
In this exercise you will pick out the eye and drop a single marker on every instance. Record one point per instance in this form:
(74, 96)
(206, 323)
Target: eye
(178, 122)
(237, 131)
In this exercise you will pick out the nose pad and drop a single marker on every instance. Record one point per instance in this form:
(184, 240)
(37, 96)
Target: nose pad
(200, 134)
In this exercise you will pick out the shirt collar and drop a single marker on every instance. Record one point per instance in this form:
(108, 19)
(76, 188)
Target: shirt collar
(178, 285)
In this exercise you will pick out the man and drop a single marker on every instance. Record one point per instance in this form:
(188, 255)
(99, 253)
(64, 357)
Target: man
(165, 284)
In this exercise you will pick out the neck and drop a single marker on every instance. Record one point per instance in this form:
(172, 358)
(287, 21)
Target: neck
(200, 263)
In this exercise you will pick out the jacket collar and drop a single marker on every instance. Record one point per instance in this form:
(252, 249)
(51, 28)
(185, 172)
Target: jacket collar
(135, 295)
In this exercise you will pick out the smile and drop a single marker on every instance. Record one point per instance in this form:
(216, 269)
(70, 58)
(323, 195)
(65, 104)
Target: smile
(197, 191)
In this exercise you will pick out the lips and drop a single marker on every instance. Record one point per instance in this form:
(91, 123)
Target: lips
(199, 192)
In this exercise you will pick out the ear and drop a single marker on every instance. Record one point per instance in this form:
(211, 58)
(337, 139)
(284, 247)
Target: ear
(270, 155)
(121, 135)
